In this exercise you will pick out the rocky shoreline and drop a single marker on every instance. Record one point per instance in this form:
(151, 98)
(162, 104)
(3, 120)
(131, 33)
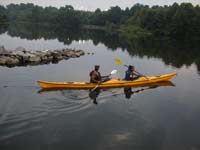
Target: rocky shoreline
(22, 57)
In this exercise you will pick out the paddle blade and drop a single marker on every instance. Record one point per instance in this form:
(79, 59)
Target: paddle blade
(118, 61)
(113, 72)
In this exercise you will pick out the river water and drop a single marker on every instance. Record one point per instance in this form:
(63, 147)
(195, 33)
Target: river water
(162, 118)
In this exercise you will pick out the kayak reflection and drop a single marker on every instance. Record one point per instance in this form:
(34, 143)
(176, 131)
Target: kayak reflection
(128, 91)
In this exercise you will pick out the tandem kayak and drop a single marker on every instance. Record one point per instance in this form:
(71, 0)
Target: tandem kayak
(113, 83)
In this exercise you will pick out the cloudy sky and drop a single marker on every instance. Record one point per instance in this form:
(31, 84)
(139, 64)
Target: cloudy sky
(93, 4)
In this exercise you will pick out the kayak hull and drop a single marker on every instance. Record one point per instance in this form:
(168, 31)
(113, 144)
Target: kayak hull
(113, 83)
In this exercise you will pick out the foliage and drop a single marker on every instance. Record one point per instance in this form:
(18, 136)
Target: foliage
(180, 21)
(133, 32)
(177, 20)
(3, 18)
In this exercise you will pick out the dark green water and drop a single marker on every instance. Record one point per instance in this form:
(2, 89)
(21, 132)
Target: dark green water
(153, 119)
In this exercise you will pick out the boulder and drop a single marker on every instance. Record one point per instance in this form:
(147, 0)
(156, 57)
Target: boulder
(49, 58)
(23, 56)
(68, 53)
(12, 61)
(44, 58)
(40, 53)
(57, 55)
(79, 53)
(34, 59)
(5, 60)
(74, 55)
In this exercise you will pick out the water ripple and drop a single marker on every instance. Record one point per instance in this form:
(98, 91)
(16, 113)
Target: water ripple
(70, 101)
(16, 124)
(13, 124)
(67, 101)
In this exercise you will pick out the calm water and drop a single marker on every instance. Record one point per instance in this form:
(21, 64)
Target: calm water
(154, 119)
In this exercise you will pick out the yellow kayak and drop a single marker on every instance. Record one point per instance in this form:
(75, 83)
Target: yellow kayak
(113, 83)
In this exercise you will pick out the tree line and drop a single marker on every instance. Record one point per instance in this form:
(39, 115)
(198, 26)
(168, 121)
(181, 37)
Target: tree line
(177, 20)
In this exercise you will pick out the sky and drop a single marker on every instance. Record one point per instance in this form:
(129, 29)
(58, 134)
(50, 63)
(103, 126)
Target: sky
(94, 4)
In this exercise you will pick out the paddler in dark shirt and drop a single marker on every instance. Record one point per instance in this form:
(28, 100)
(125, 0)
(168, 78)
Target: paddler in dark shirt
(95, 76)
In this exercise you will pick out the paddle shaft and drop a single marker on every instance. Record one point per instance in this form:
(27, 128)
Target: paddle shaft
(97, 85)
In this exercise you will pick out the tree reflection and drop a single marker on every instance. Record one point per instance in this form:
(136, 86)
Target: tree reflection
(3, 29)
(176, 52)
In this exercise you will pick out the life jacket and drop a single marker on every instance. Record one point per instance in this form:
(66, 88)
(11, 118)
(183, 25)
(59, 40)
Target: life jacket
(90, 74)
(98, 75)
(129, 76)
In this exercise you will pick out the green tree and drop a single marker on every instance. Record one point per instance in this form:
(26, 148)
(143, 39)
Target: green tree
(67, 17)
(114, 15)
(183, 21)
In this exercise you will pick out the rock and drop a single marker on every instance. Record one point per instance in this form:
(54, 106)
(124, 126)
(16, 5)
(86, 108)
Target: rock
(67, 53)
(40, 53)
(57, 55)
(34, 59)
(44, 58)
(48, 53)
(12, 61)
(50, 58)
(73, 56)
(79, 53)
(44, 51)
(2, 60)
(5, 60)
(23, 56)
(31, 56)
(20, 56)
